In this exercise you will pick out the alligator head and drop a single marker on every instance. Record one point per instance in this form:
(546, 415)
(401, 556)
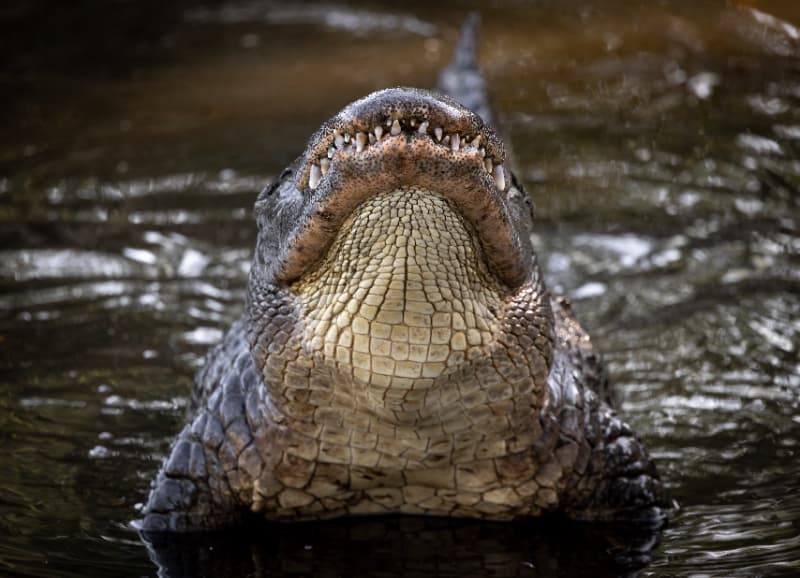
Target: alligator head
(394, 271)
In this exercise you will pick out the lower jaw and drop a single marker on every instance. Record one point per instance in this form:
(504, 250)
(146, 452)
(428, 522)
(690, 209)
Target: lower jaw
(403, 297)
(461, 177)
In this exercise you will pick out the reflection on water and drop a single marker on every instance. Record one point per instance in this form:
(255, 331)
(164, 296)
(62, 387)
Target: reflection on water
(408, 546)
(360, 23)
(659, 141)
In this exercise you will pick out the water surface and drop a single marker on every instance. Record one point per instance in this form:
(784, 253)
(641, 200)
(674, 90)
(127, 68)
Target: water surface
(659, 141)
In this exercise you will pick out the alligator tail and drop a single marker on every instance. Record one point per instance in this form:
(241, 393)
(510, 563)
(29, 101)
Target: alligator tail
(462, 79)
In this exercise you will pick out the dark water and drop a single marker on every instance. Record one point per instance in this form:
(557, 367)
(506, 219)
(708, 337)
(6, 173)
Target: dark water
(659, 140)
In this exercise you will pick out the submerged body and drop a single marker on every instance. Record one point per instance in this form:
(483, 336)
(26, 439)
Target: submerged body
(399, 352)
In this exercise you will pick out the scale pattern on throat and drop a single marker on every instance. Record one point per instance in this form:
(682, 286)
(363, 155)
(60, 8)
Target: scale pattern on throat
(403, 295)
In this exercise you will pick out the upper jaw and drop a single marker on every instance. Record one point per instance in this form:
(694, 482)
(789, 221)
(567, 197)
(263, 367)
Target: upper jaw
(407, 113)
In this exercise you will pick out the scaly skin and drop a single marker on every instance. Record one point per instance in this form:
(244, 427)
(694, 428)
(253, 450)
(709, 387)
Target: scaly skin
(399, 352)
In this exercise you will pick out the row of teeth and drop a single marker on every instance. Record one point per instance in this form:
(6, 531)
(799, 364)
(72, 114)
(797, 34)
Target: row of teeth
(361, 140)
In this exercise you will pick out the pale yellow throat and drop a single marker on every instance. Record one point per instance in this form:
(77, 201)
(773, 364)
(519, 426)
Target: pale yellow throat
(403, 295)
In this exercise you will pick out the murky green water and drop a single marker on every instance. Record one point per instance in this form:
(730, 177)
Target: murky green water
(660, 141)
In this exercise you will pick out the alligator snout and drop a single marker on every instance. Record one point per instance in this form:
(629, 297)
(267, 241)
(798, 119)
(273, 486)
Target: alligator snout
(398, 116)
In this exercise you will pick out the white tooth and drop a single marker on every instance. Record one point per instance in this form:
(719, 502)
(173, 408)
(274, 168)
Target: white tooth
(499, 176)
(361, 141)
(455, 142)
(395, 128)
(346, 137)
(378, 132)
(475, 142)
(413, 122)
(438, 132)
(338, 139)
(372, 139)
(314, 176)
(446, 139)
(487, 163)
(482, 151)
(423, 127)
(331, 150)
(388, 122)
(324, 166)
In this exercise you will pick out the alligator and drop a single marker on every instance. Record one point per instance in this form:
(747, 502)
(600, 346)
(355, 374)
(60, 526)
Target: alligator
(399, 352)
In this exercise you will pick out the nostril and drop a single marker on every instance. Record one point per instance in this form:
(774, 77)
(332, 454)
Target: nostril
(270, 189)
